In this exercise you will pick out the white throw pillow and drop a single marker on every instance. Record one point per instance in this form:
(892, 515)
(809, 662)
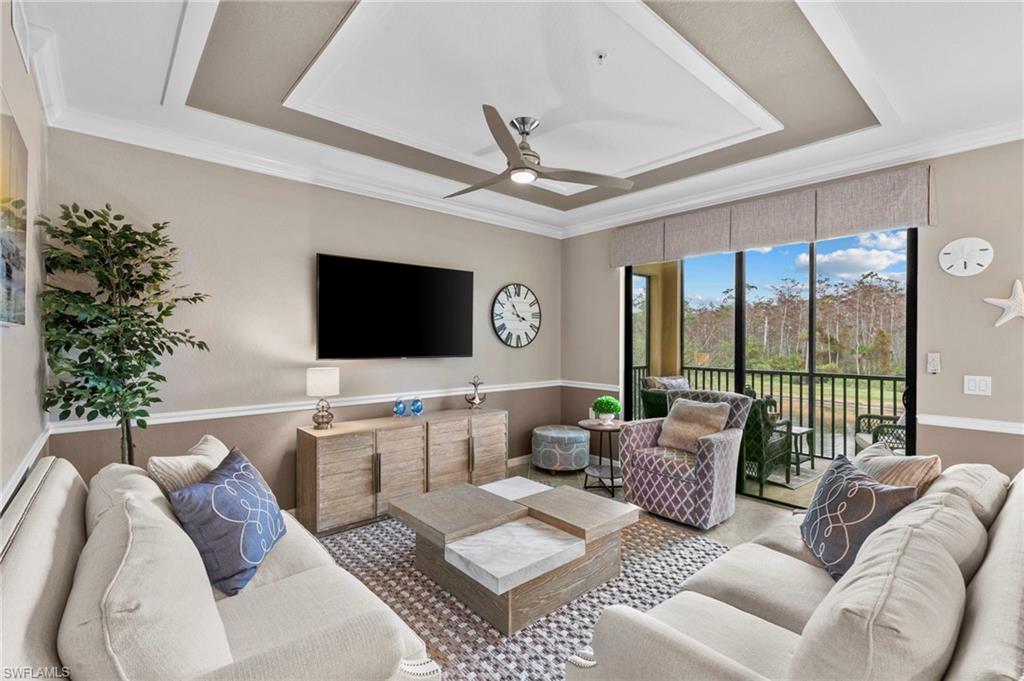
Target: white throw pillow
(979, 483)
(175, 472)
(690, 420)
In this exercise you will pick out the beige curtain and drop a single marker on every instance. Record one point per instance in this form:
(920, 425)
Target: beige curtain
(885, 200)
(780, 219)
(638, 244)
(703, 231)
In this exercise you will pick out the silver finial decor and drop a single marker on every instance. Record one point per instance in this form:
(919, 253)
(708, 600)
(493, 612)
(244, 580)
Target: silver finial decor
(476, 399)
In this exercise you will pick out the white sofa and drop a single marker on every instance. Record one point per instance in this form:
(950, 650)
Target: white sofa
(102, 583)
(935, 593)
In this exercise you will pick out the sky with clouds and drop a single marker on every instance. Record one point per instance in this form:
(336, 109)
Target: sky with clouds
(844, 259)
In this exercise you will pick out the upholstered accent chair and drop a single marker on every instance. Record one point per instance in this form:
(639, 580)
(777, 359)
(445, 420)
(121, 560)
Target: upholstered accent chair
(766, 444)
(875, 428)
(697, 488)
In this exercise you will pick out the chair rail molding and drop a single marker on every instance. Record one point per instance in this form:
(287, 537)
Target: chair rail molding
(967, 423)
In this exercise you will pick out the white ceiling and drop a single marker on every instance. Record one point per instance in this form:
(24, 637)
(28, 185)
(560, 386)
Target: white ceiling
(529, 59)
(940, 77)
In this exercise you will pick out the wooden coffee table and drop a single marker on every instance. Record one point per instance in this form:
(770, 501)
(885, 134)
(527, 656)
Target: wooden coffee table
(512, 561)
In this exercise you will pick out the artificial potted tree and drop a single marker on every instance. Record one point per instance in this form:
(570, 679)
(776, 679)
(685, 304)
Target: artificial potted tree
(109, 292)
(606, 408)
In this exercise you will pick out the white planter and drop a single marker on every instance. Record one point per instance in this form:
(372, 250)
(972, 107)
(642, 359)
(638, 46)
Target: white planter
(606, 418)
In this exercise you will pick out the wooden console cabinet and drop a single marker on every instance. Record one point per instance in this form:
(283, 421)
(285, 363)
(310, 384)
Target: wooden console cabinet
(349, 473)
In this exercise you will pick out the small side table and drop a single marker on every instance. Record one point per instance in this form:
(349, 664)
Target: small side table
(799, 433)
(603, 472)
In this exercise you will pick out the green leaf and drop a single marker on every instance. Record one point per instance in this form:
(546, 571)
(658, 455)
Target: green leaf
(92, 415)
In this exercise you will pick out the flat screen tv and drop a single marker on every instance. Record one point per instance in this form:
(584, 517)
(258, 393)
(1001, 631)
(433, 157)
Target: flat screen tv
(373, 309)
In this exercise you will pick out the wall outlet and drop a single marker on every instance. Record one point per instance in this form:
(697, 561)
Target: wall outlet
(977, 385)
(934, 363)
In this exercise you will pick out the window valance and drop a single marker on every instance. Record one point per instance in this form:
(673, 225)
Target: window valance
(884, 200)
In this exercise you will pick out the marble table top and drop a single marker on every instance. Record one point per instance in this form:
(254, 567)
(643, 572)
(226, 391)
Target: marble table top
(515, 487)
(506, 556)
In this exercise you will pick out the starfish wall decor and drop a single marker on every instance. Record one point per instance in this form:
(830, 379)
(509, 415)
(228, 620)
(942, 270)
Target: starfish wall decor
(1012, 306)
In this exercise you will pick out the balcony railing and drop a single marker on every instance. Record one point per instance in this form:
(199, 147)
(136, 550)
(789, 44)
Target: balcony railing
(838, 399)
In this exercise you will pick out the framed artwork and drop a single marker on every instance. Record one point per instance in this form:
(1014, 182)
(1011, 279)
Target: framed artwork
(13, 217)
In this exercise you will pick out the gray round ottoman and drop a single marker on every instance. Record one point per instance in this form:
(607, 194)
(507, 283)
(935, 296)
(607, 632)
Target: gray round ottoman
(561, 448)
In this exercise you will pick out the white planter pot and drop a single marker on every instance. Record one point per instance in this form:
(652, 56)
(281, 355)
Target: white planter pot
(606, 418)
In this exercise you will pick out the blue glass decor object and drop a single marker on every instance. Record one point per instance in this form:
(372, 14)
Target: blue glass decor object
(416, 406)
(399, 408)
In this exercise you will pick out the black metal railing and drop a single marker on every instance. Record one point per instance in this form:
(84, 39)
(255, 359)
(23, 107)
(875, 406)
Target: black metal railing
(637, 381)
(838, 400)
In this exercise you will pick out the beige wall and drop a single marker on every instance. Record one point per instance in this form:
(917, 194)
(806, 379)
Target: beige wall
(979, 193)
(591, 301)
(975, 193)
(250, 241)
(21, 356)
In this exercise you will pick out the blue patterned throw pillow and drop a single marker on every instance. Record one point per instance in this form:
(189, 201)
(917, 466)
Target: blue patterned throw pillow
(233, 519)
(848, 505)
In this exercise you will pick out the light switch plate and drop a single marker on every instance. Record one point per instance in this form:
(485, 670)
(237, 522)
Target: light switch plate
(934, 363)
(977, 385)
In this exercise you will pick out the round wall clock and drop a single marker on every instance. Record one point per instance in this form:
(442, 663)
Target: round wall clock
(515, 315)
(966, 257)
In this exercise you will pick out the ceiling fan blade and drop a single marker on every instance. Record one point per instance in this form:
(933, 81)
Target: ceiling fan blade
(583, 177)
(501, 135)
(489, 182)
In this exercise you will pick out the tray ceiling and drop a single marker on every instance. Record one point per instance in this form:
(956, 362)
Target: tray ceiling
(684, 102)
(399, 71)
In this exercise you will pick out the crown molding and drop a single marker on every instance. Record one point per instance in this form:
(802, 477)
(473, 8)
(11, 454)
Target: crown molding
(966, 423)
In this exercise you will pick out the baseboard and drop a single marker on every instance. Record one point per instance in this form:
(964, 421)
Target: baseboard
(517, 461)
(12, 485)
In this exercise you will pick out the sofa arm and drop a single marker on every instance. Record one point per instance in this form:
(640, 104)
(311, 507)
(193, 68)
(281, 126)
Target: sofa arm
(367, 647)
(636, 435)
(629, 644)
(720, 445)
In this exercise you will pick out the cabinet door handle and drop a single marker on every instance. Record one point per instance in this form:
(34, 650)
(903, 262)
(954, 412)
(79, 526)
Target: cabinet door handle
(376, 473)
(472, 454)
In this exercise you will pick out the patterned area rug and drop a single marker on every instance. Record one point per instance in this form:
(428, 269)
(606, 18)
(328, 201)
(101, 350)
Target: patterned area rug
(656, 558)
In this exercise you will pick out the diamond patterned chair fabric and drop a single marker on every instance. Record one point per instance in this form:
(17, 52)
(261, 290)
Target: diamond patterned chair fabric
(697, 488)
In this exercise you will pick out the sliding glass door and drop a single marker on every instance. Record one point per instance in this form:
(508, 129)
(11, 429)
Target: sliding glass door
(824, 331)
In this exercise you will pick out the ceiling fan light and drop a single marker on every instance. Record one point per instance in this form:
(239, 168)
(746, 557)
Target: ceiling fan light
(523, 175)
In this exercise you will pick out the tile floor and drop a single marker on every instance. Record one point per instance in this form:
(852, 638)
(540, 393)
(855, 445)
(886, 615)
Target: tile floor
(752, 517)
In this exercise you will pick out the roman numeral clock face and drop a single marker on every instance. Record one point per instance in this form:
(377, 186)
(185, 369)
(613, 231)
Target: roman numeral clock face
(516, 315)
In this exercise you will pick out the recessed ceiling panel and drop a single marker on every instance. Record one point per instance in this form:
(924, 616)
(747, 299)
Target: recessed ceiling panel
(617, 90)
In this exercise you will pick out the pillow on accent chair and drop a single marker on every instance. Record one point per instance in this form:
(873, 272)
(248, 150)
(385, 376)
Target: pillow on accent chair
(848, 505)
(234, 520)
(175, 472)
(897, 470)
(689, 420)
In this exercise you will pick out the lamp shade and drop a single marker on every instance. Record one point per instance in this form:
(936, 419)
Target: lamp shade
(323, 381)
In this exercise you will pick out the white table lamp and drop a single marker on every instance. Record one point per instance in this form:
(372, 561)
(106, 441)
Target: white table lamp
(323, 382)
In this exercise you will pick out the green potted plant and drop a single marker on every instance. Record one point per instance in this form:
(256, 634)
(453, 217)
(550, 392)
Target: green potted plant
(109, 292)
(606, 408)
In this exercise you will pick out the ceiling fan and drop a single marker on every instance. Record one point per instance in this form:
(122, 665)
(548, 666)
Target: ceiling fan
(524, 163)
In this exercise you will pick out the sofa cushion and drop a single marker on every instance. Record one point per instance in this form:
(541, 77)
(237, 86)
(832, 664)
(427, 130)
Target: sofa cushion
(773, 586)
(115, 481)
(140, 607)
(751, 641)
(297, 606)
(175, 472)
(897, 470)
(295, 552)
(689, 420)
(981, 484)
(785, 538)
(847, 507)
(234, 520)
(949, 520)
(894, 615)
(991, 644)
(671, 463)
